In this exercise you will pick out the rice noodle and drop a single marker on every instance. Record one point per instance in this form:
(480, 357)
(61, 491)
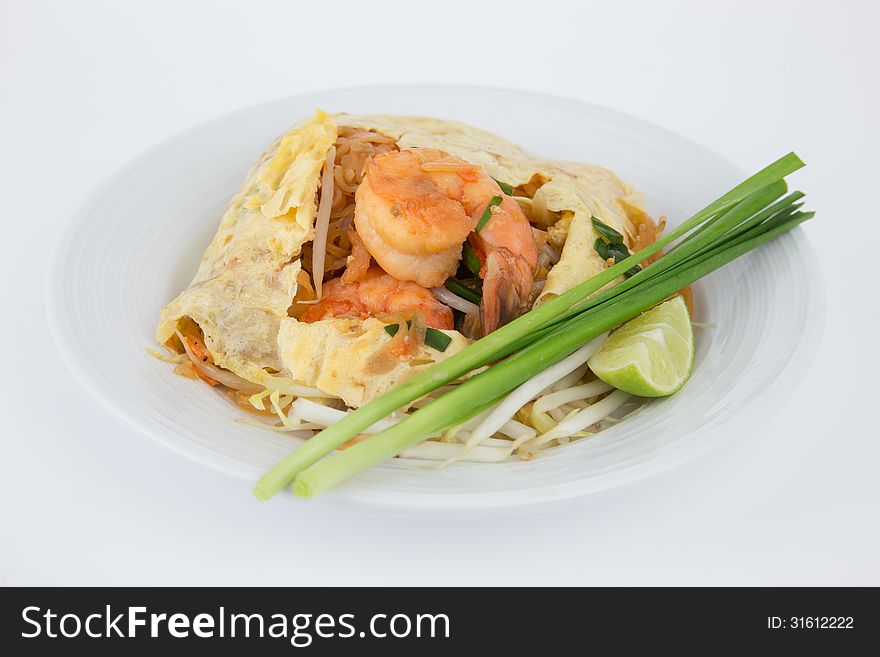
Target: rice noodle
(322, 223)
(454, 301)
(353, 148)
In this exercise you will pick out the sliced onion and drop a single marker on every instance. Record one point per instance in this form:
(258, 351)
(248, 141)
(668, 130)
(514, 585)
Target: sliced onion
(220, 375)
(322, 223)
(454, 301)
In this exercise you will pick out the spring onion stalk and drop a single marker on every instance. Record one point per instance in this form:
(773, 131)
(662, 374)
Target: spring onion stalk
(503, 377)
(520, 334)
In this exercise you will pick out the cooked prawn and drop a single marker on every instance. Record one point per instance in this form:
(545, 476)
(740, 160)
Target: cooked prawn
(415, 209)
(378, 295)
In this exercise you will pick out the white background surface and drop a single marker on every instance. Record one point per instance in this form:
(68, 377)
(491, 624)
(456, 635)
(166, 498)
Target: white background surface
(86, 85)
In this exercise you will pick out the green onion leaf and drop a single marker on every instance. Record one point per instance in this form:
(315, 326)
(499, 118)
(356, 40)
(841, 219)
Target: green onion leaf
(607, 232)
(617, 251)
(507, 189)
(433, 338)
(470, 259)
(487, 213)
(437, 339)
(462, 290)
(614, 248)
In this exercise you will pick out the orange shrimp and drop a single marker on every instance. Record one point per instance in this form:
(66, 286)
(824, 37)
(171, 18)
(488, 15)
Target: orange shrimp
(415, 209)
(378, 295)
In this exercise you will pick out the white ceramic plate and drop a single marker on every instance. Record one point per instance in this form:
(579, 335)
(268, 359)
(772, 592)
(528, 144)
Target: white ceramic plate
(135, 245)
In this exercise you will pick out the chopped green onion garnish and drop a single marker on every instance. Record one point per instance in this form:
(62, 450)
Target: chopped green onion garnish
(507, 189)
(433, 338)
(391, 329)
(470, 259)
(487, 213)
(462, 290)
(437, 339)
(607, 231)
(614, 248)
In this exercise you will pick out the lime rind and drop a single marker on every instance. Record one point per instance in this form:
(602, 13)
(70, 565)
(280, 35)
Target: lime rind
(651, 355)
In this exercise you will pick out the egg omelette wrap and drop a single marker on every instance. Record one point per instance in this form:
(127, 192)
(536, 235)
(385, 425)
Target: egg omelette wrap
(257, 303)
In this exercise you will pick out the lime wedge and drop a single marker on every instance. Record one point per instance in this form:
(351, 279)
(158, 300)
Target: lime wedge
(651, 355)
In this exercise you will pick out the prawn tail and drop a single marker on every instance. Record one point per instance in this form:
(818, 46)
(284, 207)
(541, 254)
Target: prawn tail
(502, 301)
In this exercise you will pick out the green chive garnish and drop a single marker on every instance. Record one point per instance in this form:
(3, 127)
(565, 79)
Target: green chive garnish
(470, 259)
(614, 248)
(607, 231)
(462, 290)
(433, 338)
(487, 213)
(391, 329)
(437, 339)
(507, 189)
